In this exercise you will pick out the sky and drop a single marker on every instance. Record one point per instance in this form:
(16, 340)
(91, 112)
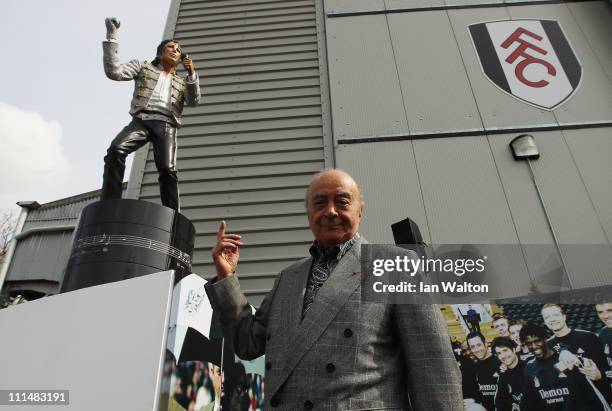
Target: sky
(58, 111)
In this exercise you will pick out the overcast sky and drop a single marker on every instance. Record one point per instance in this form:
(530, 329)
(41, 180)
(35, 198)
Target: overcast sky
(58, 111)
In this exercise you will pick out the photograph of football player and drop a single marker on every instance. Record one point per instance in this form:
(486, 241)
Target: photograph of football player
(586, 348)
(510, 382)
(515, 328)
(487, 369)
(549, 384)
(501, 324)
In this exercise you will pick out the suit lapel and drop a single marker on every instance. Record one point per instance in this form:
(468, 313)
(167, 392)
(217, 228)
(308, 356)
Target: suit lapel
(293, 296)
(342, 282)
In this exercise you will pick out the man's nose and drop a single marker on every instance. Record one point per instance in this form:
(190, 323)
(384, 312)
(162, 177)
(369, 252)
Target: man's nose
(330, 210)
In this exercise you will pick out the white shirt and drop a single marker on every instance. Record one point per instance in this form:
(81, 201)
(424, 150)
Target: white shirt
(160, 97)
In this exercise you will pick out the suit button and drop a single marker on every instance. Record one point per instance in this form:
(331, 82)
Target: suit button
(268, 337)
(268, 365)
(330, 367)
(348, 333)
(274, 402)
(308, 405)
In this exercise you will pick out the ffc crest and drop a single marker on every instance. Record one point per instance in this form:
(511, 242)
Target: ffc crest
(531, 60)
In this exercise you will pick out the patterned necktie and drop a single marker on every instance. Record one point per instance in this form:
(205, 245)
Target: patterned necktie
(321, 268)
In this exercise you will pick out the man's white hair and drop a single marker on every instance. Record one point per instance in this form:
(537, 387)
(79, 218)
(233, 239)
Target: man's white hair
(327, 170)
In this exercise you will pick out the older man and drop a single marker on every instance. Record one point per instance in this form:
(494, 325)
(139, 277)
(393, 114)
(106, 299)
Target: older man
(156, 109)
(325, 348)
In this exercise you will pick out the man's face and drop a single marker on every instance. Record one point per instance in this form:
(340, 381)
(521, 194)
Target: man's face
(334, 208)
(171, 54)
(553, 318)
(466, 351)
(604, 312)
(501, 326)
(507, 356)
(536, 345)
(478, 348)
(515, 330)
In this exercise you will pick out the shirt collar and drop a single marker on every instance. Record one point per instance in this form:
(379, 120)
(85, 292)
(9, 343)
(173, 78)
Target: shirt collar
(335, 252)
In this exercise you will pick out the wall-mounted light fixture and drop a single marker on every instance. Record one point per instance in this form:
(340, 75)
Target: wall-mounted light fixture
(524, 147)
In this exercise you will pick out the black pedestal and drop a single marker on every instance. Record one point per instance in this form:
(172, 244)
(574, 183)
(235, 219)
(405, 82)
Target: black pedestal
(120, 239)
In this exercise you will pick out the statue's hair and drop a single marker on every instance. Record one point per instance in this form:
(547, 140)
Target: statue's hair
(160, 49)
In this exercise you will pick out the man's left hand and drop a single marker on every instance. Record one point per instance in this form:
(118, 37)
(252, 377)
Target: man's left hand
(590, 370)
(189, 66)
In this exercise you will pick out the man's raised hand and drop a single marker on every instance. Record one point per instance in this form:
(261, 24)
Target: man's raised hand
(226, 252)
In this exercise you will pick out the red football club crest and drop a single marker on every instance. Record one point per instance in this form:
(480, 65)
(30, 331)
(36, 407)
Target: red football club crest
(531, 60)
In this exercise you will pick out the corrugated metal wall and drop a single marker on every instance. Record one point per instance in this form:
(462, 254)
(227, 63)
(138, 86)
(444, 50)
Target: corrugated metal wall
(59, 213)
(44, 244)
(424, 83)
(247, 152)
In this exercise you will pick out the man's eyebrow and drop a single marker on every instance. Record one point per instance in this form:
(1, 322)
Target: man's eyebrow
(343, 194)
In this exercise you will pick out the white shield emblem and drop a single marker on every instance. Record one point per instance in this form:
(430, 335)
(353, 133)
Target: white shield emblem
(531, 60)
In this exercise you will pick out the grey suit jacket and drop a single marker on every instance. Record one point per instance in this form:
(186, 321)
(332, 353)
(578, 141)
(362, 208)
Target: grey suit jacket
(345, 354)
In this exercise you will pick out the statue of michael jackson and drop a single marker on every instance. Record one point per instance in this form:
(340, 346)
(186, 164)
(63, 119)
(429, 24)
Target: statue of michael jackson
(157, 105)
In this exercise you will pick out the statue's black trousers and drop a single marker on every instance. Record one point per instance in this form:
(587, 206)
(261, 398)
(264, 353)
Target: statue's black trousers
(136, 134)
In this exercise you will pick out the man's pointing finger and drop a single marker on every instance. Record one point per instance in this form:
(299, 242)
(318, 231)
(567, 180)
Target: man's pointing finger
(221, 231)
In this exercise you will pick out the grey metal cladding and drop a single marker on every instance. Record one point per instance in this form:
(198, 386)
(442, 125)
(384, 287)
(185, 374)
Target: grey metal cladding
(41, 256)
(191, 137)
(462, 193)
(59, 213)
(388, 179)
(441, 82)
(391, 5)
(565, 194)
(591, 151)
(593, 17)
(419, 42)
(592, 101)
(248, 151)
(365, 91)
(343, 8)
(43, 246)
(349, 6)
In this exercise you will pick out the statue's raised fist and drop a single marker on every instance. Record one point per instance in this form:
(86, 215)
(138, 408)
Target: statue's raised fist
(112, 23)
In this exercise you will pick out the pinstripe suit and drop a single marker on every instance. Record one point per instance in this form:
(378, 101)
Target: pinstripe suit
(345, 354)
